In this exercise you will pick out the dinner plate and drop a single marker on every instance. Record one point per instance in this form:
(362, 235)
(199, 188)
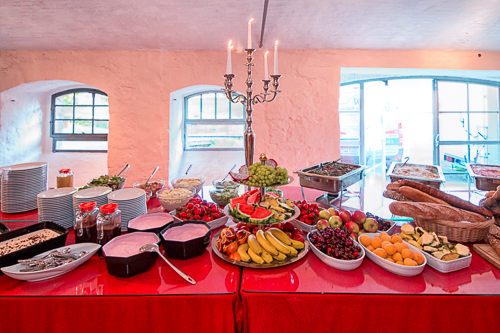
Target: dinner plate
(13, 271)
(126, 194)
(26, 166)
(57, 193)
(92, 192)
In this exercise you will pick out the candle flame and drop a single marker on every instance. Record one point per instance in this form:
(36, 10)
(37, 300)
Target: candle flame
(266, 53)
(251, 20)
(276, 44)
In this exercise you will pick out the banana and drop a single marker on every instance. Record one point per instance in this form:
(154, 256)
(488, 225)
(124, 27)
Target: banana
(281, 236)
(297, 245)
(255, 258)
(276, 243)
(280, 257)
(242, 251)
(261, 238)
(267, 257)
(293, 251)
(254, 245)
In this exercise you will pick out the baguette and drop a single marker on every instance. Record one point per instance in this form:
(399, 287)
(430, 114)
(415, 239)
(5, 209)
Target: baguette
(393, 186)
(432, 211)
(419, 196)
(451, 199)
(395, 195)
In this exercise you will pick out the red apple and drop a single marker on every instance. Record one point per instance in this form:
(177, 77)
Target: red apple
(277, 225)
(299, 238)
(359, 217)
(289, 234)
(370, 225)
(335, 222)
(345, 216)
(354, 235)
(239, 225)
(363, 231)
(333, 211)
(324, 214)
(322, 224)
(352, 226)
(297, 232)
(288, 226)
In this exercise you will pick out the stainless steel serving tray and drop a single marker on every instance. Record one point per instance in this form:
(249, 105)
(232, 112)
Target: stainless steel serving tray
(484, 183)
(433, 182)
(329, 184)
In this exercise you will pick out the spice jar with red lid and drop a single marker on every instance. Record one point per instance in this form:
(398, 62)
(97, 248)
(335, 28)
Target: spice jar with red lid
(65, 178)
(86, 222)
(109, 223)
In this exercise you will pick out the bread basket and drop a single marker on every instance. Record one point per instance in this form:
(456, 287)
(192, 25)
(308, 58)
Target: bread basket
(462, 232)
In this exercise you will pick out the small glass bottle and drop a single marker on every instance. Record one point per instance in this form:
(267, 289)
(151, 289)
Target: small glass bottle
(65, 178)
(109, 223)
(86, 222)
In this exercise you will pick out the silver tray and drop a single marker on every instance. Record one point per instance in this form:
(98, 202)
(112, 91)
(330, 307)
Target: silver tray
(484, 183)
(433, 182)
(274, 264)
(329, 184)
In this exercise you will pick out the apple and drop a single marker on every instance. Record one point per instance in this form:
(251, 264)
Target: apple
(335, 222)
(288, 226)
(359, 217)
(345, 216)
(333, 211)
(354, 235)
(297, 232)
(289, 234)
(299, 237)
(362, 231)
(352, 226)
(370, 225)
(322, 224)
(324, 214)
(277, 225)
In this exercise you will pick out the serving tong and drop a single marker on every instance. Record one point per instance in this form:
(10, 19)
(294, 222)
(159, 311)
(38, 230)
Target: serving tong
(51, 260)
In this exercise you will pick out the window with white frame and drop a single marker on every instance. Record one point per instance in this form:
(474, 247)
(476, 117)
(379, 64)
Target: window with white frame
(212, 122)
(79, 121)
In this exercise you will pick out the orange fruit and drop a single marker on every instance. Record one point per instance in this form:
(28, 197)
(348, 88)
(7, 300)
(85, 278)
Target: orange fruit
(380, 252)
(410, 262)
(365, 240)
(396, 239)
(386, 238)
(418, 257)
(397, 257)
(384, 243)
(390, 259)
(407, 254)
(376, 242)
(400, 263)
(370, 247)
(390, 249)
(235, 256)
(399, 247)
(382, 234)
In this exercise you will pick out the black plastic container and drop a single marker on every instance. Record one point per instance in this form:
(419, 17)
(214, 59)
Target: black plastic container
(31, 251)
(3, 228)
(156, 230)
(187, 249)
(130, 266)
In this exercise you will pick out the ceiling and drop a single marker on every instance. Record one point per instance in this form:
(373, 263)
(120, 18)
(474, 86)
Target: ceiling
(186, 25)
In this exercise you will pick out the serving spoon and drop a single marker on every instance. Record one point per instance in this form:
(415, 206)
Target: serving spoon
(154, 248)
(156, 169)
(234, 166)
(124, 170)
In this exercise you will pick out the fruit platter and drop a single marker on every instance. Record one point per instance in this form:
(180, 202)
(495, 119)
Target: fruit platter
(249, 245)
(266, 173)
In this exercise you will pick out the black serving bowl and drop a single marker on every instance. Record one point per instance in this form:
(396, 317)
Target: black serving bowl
(186, 249)
(130, 266)
(3, 229)
(33, 250)
(155, 230)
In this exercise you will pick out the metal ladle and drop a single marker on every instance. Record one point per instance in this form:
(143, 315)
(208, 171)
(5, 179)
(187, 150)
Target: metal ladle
(156, 169)
(154, 248)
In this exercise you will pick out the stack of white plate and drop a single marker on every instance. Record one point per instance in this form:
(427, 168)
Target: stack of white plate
(20, 185)
(97, 194)
(131, 202)
(57, 206)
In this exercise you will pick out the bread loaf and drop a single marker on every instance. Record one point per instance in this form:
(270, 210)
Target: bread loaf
(431, 211)
(395, 195)
(393, 186)
(419, 196)
(495, 243)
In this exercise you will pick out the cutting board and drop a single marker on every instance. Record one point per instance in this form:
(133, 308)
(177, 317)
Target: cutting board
(488, 253)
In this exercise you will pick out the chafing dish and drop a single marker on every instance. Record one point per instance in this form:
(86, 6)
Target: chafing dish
(433, 182)
(484, 183)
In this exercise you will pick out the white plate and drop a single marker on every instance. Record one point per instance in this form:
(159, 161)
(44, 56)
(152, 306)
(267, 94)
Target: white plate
(57, 193)
(92, 192)
(213, 224)
(26, 166)
(127, 194)
(13, 271)
(446, 266)
(392, 267)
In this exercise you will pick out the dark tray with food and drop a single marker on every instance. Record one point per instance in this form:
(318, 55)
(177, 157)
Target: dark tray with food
(328, 176)
(430, 175)
(487, 176)
(29, 241)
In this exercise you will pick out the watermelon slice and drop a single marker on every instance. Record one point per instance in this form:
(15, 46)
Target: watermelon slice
(246, 195)
(254, 198)
(243, 211)
(260, 215)
(235, 201)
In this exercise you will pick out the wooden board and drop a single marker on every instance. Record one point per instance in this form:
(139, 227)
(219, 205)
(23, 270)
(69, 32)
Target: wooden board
(488, 253)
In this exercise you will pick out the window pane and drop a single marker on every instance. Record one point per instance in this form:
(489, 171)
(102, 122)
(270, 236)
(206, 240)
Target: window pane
(101, 127)
(83, 112)
(485, 154)
(101, 99)
(214, 136)
(64, 112)
(83, 98)
(61, 126)
(349, 98)
(65, 100)
(208, 106)
(101, 112)
(193, 111)
(452, 96)
(237, 110)
(483, 98)
(82, 145)
(453, 158)
(483, 126)
(349, 125)
(222, 106)
(453, 126)
(83, 127)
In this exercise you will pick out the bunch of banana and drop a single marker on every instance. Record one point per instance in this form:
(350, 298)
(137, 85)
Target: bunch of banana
(264, 247)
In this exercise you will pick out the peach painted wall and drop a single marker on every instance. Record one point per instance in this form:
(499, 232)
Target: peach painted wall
(299, 129)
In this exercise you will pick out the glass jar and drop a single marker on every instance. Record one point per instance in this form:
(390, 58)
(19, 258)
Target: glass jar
(65, 178)
(109, 223)
(223, 191)
(86, 222)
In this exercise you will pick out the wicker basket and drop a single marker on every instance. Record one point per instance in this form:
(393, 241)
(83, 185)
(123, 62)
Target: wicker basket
(462, 232)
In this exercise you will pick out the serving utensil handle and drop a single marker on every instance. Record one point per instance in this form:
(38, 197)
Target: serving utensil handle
(181, 273)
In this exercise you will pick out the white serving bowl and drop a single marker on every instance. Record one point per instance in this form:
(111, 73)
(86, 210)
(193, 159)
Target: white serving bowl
(181, 182)
(174, 202)
(401, 270)
(343, 265)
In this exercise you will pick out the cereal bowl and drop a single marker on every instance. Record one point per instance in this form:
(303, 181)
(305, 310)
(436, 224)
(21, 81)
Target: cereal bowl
(172, 197)
(152, 187)
(196, 182)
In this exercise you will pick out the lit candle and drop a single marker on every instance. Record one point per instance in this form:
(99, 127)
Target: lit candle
(228, 67)
(266, 74)
(249, 45)
(276, 58)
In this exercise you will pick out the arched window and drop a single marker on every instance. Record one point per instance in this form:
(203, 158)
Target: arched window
(212, 122)
(79, 121)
